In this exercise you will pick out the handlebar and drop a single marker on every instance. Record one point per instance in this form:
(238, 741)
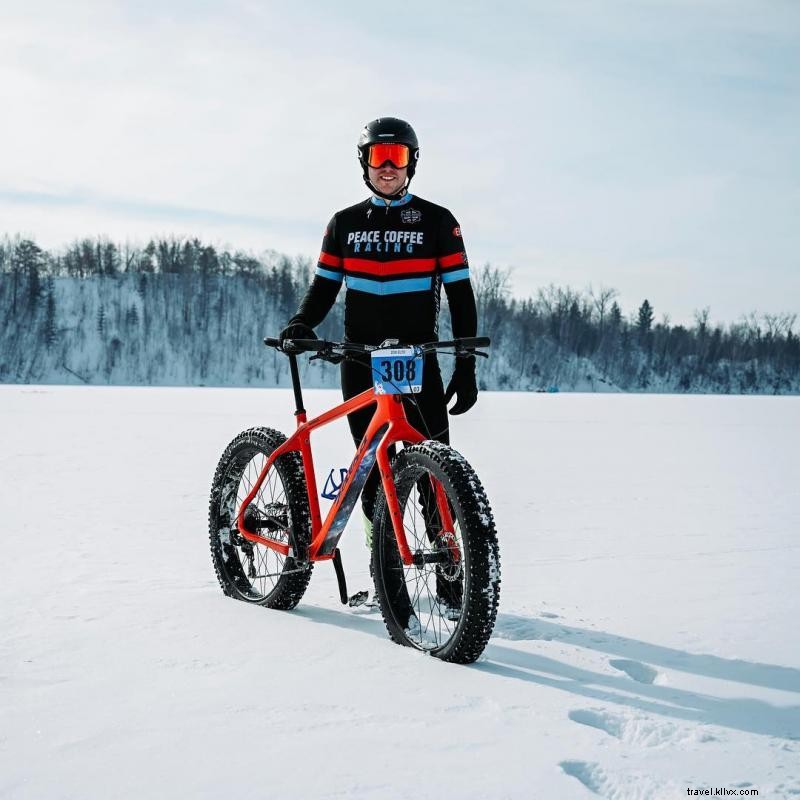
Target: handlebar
(335, 351)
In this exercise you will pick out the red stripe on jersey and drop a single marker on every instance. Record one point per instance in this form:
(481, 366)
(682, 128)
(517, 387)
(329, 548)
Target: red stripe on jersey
(451, 261)
(400, 266)
(329, 260)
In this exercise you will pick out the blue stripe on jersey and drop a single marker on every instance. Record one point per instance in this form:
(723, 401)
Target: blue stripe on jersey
(399, 286)
(326, 273)
(379, 201)
(457, 275)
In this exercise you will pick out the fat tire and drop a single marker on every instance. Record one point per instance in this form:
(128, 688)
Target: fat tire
(481, 588)
(290, 586)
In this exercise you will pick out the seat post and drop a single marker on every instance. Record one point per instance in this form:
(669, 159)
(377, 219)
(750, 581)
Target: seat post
(298, 392)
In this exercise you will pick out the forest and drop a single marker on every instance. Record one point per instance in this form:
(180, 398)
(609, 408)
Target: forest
(182, 312)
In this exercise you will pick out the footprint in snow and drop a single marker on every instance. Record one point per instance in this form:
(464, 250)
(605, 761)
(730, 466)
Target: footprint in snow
(639, 672)
(590, 775)
(612, 784)
(598, 719)
(639, 730)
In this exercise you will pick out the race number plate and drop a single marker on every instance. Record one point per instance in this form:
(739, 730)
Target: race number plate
(397, 370)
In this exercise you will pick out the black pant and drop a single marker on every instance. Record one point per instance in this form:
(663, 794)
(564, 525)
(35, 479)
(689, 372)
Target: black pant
(426, 411)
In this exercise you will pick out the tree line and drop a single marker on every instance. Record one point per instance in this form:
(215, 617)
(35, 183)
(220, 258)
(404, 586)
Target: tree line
(180, 311)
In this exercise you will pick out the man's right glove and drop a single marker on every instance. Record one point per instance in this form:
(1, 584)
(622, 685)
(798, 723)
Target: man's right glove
(464, 385)
(296, 329)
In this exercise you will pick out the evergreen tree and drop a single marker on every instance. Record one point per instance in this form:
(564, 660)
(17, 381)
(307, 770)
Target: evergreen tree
(50, 314)
(109, 258)
(615, 316)
(132, 316)
(644, 321)
(26, 260)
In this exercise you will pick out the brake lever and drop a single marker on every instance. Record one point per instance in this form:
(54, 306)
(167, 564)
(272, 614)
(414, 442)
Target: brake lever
(463, 352)
(329, 356)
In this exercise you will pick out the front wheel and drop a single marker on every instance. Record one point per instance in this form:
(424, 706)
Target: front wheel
(446, 602)
(251, 571)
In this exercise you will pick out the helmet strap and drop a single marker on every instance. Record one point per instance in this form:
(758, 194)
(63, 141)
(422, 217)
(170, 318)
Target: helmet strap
(396, 196)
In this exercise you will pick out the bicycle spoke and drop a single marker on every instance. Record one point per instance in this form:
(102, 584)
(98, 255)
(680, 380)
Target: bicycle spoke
(252, 570)
(435, 617)
(265, 562)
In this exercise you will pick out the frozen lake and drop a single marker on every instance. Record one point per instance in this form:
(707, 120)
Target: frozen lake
(647, 641)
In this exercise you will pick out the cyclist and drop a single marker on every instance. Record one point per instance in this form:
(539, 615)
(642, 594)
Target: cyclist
(394, 251)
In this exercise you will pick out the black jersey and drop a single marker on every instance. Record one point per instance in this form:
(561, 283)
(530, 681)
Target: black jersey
(393, 260)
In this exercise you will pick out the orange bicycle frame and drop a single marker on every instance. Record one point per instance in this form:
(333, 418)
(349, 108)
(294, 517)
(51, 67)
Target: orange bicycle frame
(388, 426)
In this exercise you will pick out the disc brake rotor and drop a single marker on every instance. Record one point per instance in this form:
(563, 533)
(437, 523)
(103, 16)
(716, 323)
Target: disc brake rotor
(447, 544)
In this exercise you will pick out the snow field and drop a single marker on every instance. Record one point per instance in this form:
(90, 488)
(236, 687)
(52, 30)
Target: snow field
(646, 642)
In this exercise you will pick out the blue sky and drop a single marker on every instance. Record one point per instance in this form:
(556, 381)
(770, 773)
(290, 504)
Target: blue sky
(650, 146)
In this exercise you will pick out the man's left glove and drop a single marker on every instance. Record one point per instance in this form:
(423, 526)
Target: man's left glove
(296, 329)
(464, 385)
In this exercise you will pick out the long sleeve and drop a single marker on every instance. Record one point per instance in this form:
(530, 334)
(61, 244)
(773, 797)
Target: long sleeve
(454, 270)
(321, 294)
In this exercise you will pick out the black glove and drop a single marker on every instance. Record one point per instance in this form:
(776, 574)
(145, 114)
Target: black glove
(464, 385)
(296, 329)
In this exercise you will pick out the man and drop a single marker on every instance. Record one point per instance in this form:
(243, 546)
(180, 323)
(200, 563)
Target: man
(393, 251)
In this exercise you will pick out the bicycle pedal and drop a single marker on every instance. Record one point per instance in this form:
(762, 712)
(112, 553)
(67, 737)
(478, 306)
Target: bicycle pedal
(358, 599)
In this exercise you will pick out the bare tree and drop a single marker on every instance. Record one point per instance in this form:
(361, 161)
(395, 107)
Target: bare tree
(601, 301)
(778, 325)
(492, 286)
(701, 318)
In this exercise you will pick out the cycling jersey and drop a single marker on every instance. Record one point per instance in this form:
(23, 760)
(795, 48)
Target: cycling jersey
(393, 259)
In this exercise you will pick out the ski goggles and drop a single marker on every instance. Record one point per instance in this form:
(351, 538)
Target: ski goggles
(397, 154)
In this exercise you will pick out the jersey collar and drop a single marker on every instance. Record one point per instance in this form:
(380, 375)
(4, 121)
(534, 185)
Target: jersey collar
(406, 198)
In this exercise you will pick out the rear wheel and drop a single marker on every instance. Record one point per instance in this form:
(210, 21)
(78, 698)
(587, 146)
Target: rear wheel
(246, 570)
(445, 603)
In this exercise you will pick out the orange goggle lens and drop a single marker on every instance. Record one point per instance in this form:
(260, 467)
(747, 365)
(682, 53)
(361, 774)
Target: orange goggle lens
(380, 153)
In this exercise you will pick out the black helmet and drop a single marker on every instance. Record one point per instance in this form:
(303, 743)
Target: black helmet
(392, 131)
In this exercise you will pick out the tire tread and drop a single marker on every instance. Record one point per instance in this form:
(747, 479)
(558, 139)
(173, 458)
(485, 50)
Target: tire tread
(482, 589)
(289, 588)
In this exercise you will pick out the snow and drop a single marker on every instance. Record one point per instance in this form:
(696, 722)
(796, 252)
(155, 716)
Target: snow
(646, 641)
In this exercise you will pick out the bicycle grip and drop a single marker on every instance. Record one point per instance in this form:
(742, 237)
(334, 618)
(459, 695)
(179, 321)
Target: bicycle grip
(474, 341)
(311, 345)
(463, 343)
